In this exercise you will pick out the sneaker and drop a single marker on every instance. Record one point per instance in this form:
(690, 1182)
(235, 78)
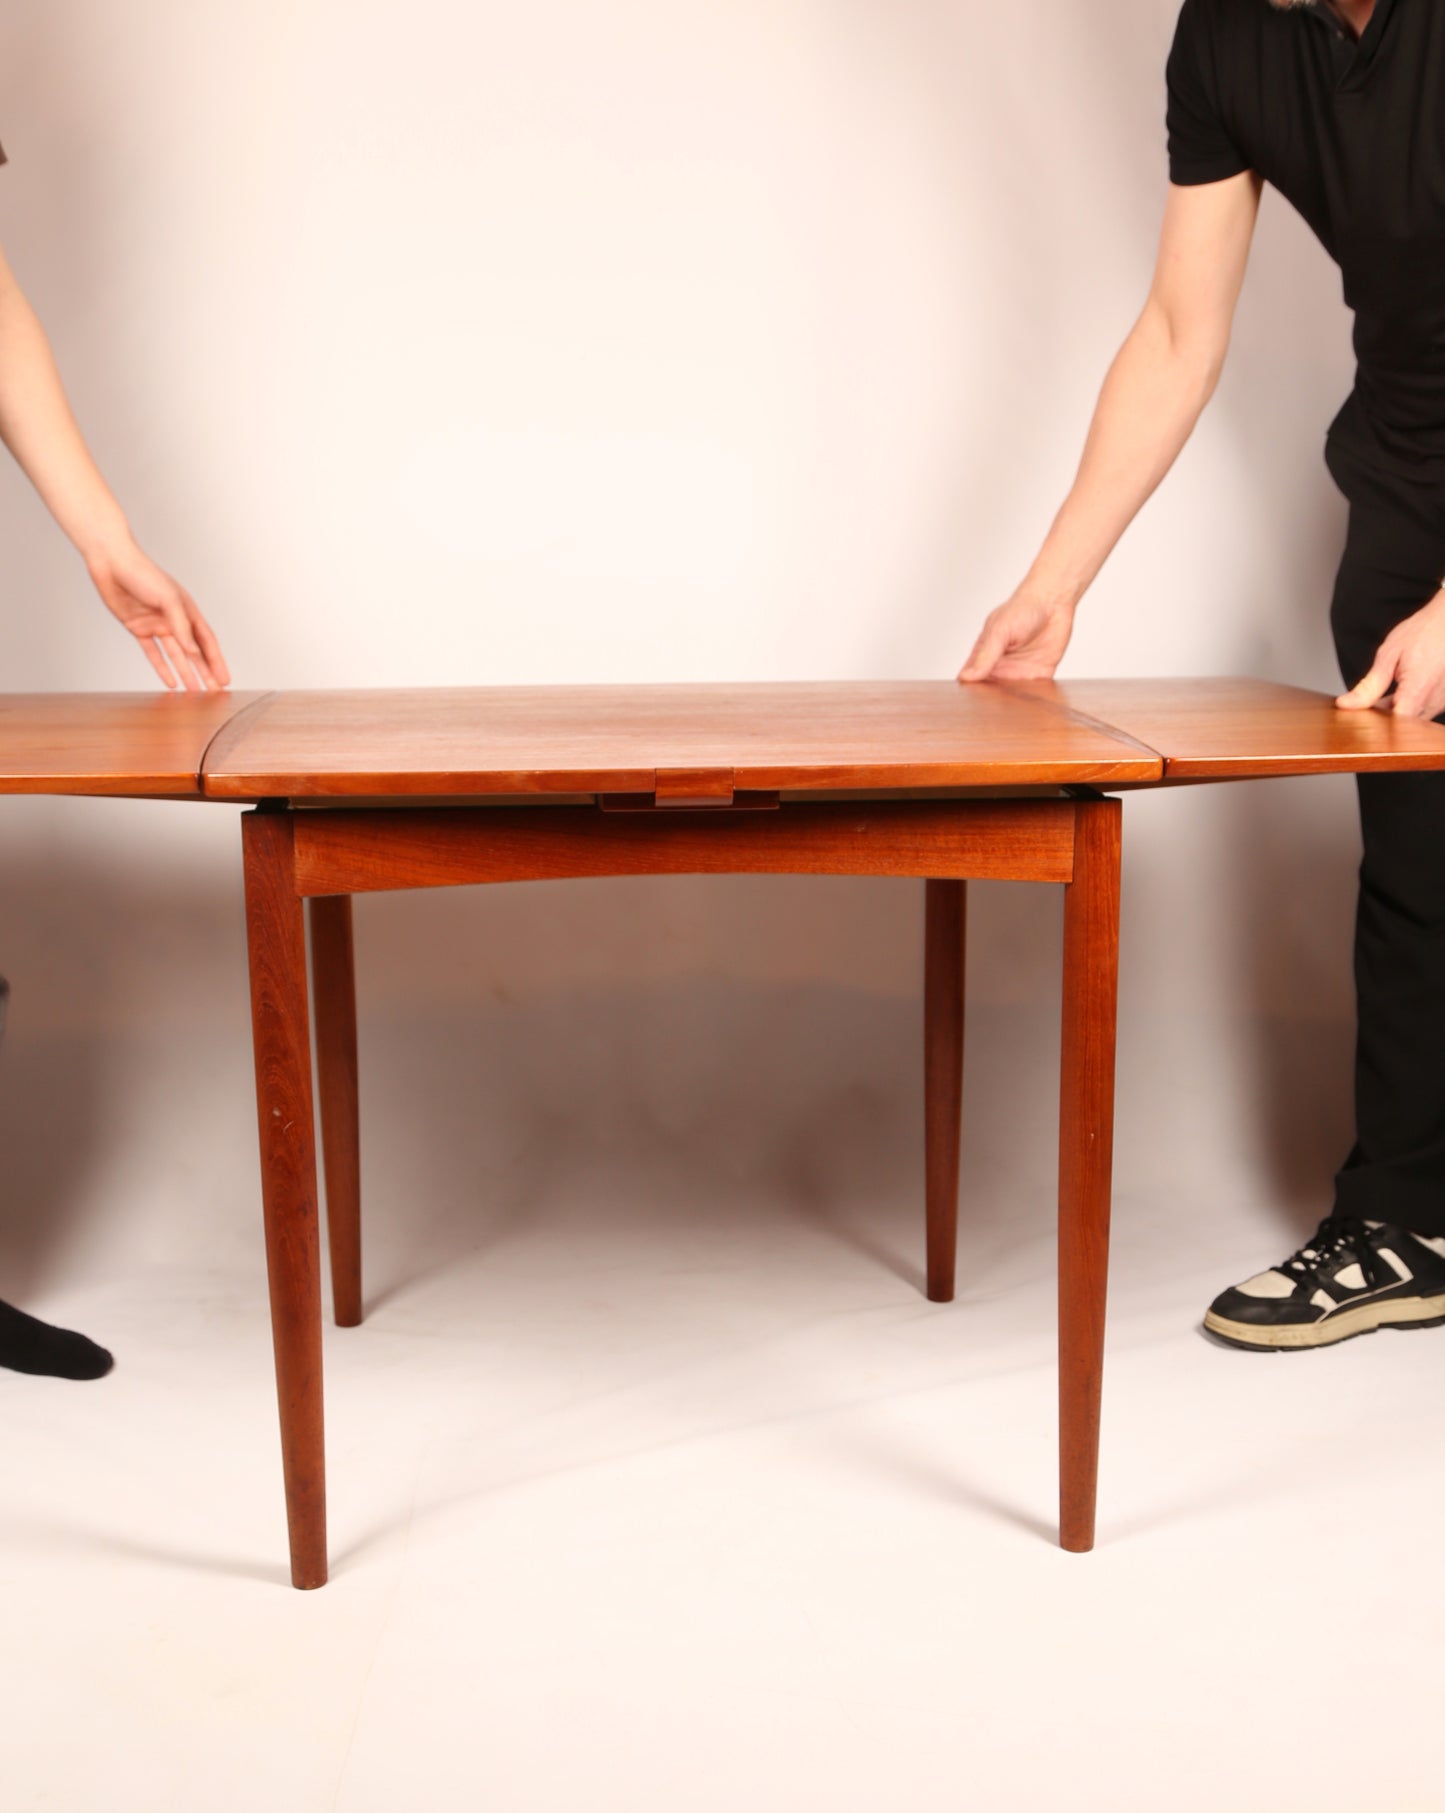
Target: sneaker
(1352, 1278)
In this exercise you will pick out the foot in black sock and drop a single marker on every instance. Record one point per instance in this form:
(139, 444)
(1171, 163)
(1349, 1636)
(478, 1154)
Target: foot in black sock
(27, 1345)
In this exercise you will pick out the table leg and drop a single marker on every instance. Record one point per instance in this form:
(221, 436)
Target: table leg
(277, 942)
(1086, 1145)
(333, 981)
(945, 922)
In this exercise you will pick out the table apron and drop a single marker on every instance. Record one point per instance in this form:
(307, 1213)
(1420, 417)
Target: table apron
(367, 851)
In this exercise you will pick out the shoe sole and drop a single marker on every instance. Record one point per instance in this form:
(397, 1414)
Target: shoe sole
(1423, 1312)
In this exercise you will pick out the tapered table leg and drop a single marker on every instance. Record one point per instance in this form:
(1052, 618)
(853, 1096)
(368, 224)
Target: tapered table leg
(277, 943)
(1086, 1146)
(945, 918)
(333, 982)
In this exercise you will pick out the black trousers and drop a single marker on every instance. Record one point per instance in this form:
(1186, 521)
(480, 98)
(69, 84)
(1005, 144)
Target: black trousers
(1394, 563)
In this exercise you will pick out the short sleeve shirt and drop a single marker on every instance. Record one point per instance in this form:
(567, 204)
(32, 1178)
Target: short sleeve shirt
(1352, 133)
(1200, 148)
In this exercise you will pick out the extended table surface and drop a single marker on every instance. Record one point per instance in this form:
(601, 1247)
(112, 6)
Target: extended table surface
(690, 744)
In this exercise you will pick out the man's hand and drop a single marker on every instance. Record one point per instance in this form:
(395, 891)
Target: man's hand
(38, 427)
(162, 616)
(1024, 639)
(1412, 660)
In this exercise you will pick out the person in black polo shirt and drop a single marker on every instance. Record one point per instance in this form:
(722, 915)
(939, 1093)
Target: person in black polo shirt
(1341, 105)
(37, 426)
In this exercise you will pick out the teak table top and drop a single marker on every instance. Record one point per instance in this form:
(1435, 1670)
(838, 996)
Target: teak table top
(146, 744)
(688, 744)
(1241, 729)
(683, 742)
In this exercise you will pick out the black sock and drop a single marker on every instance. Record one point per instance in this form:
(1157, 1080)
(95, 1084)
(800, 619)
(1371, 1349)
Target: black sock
(30, 1346)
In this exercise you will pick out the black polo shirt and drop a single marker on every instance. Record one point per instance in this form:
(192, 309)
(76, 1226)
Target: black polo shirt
(1352, 132)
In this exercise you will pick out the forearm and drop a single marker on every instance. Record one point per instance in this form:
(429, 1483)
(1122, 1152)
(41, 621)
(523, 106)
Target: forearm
(40, 430)
(1152, 398)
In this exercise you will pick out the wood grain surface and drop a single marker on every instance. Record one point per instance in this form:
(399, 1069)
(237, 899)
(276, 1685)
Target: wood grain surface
(1244, 729)
(281, 1038)
(687, 745)
(1086, 1156)
(704, 741)
(137, 744)
(361, 852)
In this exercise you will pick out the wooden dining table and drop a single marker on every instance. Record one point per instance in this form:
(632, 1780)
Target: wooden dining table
(353, 792)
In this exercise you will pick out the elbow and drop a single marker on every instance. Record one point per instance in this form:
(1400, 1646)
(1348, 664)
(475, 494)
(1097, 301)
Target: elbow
(1202, 368)
(1194, 351)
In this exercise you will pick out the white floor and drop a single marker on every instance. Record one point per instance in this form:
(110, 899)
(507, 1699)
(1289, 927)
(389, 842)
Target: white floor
(643, 1501)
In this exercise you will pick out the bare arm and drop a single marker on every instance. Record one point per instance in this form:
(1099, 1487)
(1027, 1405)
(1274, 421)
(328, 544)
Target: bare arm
(40, 430)
(1154, 394)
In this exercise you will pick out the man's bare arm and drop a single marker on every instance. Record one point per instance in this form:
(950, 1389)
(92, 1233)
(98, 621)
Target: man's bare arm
(40, 430)
(1154, 394)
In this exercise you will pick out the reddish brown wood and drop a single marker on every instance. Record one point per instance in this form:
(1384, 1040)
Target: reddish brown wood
(333, 984)
(945, 923)
(1244, 729)
(250, 706)
(138, 744)
(694, 787)
(357, 852)
(1086, 1148)
(889, 735)
(462, 742)
(277, 943)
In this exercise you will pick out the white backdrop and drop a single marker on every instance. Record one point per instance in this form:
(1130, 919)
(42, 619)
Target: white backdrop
(451, 341)
(465, 342)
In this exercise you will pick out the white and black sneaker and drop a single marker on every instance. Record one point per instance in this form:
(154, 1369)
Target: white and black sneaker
(1352, 1278)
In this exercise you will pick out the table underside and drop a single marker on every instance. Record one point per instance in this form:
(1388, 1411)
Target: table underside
(302, 868)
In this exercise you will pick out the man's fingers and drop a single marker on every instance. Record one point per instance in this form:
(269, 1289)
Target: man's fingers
(175, 632)
(157, 661)
(1372, 688)
(1417, 699)
(210, 646)
(986, 653)
(167, 655)
(185, 635)
(179, 624)
(163, 617)
(179, 661)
